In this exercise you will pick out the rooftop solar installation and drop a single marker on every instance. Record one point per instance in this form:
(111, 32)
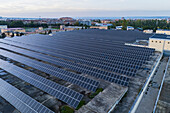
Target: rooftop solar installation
(67, 64)
(86, 58)
(92, 62)
(21, 101)
(49, 69)
(60, 92)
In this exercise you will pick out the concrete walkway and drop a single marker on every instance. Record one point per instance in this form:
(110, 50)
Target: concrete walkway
(148, 101)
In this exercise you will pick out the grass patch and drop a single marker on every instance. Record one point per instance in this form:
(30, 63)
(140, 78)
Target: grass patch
(80, 104)
(66, 109)
(95, 93)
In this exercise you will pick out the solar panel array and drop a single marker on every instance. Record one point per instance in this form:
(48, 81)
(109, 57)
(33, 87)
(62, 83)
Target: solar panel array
(67, 95)
(21, 101)
(49, 69)
(96, 53)
(76, 67)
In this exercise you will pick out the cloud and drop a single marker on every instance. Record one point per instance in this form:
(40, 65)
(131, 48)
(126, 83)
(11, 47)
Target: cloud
(73, 7)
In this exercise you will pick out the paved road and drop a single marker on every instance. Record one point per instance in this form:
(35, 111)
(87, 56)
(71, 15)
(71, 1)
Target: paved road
(149, 98)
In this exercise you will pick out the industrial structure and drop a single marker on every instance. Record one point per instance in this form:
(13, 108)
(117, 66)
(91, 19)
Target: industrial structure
(160, 42)
(85, 71)
(163, 31)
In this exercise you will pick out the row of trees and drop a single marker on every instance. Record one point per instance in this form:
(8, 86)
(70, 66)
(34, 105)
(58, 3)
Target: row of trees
(145, 24)
(13, 24)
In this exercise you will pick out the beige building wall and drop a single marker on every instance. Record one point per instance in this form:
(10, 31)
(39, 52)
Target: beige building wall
(167, 45)
(148, 31)
(163, 32)
(159, 44)
(17, 30)
(99, 27)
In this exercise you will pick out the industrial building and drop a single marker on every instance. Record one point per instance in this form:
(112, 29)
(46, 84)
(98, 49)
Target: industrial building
(149, 31)
(130, 28)
(13, 30)
(99, 27)
(160, 43)
(163, 31)
(85, 22)
(70, 28)
(3, 27)
(83, 71)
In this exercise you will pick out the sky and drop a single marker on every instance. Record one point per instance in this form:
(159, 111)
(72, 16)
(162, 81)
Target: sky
(84, 8)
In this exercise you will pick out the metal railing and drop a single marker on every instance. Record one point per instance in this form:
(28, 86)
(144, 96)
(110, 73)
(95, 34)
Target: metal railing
(161, 86)
(140, 95)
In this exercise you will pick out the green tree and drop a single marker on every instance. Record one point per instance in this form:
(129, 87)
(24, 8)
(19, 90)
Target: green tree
(17, 34)
(16, 24)
(124, 25)
(3, 35)
(49, 32)
(77, 23)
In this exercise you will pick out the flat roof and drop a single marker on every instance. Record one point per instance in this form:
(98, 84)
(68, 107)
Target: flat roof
(160, 36)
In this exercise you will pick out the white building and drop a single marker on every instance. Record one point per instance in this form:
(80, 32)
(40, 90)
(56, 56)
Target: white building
(161, 31)
(160, 43)
(130, 28)
(119, 27)
(3, 27)
(103, 24)
(148, 31)
(85, 22)
(70, 28)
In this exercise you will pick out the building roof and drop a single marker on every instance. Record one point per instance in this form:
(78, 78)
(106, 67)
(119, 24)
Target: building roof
(3, 25)
(14, 28)
(160, 36)
(163, 30)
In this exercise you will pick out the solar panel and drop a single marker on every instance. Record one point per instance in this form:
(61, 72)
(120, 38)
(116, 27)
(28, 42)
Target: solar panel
(79, 60)
(85, 51)
(20, 100)
(62, 93)
(91, 54)
(49, 69)
(77, 67)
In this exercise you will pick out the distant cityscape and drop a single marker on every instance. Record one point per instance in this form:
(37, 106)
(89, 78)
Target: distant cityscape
(21, 26)
(92, 18)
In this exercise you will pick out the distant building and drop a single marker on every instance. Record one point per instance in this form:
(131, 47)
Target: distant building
(27, 21)
(122, 18)
(168, 20)
(40, 28)
(3, 27)
(119, 27)
(160, 42)
(85, 22)
(13, 30)
(102, 24)
(70, 28)
(130, 28)
(106, 21)
(99, 27)
(161, 31)
(70, 22)
(59, 22)
(148, 31)
(65, 18)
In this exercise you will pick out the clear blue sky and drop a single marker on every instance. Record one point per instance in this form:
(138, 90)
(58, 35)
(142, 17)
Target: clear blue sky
(84, 8)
